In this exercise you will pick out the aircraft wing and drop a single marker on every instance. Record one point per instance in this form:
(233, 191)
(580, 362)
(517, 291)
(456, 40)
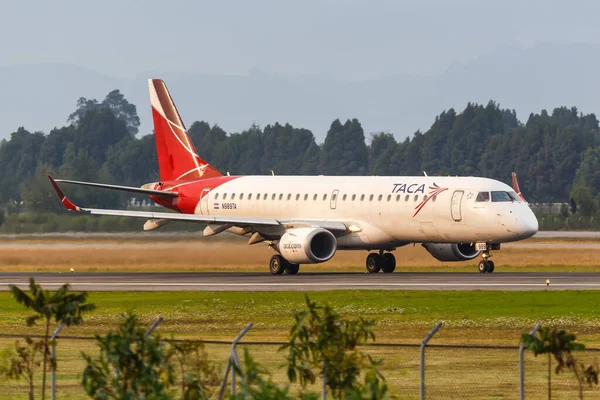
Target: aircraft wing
(209, 219)
(148, 192)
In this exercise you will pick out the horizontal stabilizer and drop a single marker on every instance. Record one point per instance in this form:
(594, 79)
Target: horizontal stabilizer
(147, 192)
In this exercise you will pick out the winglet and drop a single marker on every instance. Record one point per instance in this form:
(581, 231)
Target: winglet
(515, 185)
(66, 202)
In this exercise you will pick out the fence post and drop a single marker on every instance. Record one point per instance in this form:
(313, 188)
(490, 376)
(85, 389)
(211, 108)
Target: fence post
(522, 364)
(423, 344)
(53, 361)
(233, 360)
(155, 324)
(324, 381)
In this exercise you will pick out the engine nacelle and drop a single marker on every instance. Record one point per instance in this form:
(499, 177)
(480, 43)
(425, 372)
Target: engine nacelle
(452, 252)
(307, 245)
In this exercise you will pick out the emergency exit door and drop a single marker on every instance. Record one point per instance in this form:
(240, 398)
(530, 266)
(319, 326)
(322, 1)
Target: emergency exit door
(204, 201)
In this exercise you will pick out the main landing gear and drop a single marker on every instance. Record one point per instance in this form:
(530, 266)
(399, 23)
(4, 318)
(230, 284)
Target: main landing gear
(381, 261)
(279, 265)
(486, 265)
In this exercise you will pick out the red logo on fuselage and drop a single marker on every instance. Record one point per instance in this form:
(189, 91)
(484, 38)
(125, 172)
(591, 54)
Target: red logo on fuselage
(434, 191)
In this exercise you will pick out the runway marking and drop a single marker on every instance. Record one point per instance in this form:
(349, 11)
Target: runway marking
(307, 284)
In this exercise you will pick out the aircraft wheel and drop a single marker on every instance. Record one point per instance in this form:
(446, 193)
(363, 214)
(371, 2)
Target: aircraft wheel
(483, 266)
(490, 268)
(374, 263)
(277, 265)
(292, 269)
(389, 263)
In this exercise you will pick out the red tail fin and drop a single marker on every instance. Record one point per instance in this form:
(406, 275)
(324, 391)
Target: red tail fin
(177, 156)
(515, 185)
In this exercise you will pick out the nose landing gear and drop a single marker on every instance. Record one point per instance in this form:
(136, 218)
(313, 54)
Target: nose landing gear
(486, 265)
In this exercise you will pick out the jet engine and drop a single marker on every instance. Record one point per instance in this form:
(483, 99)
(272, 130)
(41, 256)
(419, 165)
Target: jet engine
(307, 245)
(452, 252)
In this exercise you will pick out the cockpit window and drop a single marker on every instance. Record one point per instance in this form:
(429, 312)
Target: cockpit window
(483, 196)
(514, 196)
(498, 197)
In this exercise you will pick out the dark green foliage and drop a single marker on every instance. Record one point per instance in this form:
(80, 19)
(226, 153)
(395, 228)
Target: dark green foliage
(61, 307)
(130, 365)
(549, 151)
(344, 151)
(322, 344)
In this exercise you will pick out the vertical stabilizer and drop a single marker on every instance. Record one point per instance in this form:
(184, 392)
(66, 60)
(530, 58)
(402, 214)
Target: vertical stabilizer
(177, 156)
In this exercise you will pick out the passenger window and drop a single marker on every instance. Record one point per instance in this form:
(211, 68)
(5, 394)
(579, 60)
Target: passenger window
(224, 196)
(406, 198)
(289, 196)
(416, 197)
(498, 197)
(371, 198)
(273, 196)
(344, 197)
(389, 197)
(434, 199)
(483, 196)
(362, 197)
(216, 196)
(298, 197)
(353, 197)
(305, 197)
(233, 196)
(242, 196)
(324, 197)
(249, 196)
(334, 197)
(280, 196)
(258, 196)
(315, 197)
(397, 197)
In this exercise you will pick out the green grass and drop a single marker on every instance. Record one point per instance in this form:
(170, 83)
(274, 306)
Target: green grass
(222, 314)
(470, 317)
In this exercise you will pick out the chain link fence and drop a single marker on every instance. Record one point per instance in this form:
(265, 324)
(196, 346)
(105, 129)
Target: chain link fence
(451, 371)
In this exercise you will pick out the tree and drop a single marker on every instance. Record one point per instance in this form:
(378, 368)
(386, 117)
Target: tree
(588, 172)
(61, 307)
(25, 362)
(130, 365)
(324, 344)
(560, 344)
(116, 103)
(123, 110)
(257, 384)
(198, 376)
(585, 201)
(344, 151)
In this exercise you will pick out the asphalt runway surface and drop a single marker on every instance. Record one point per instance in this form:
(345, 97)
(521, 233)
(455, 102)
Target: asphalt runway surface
(259, 281)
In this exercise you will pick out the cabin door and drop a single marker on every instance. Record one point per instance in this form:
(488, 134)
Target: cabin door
(456, 205)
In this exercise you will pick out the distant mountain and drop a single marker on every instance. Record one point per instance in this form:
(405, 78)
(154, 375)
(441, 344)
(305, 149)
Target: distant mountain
(40, 97)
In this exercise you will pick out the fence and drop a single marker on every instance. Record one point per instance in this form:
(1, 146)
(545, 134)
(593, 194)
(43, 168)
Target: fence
(451, 370)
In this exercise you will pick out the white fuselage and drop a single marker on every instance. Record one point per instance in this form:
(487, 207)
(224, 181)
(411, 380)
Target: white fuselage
(382, 211)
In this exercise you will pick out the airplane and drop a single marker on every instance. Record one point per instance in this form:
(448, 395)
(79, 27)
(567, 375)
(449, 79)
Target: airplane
(307, 219)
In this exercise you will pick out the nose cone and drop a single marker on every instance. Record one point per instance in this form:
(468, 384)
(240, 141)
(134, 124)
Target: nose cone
(527, 224)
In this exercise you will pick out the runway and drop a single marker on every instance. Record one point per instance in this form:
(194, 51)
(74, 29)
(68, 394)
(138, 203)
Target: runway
(306, 281)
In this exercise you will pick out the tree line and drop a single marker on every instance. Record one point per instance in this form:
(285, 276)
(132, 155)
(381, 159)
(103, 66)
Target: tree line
(556, 155)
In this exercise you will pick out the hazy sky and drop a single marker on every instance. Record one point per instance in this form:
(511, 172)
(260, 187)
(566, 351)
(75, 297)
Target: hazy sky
(345, 39)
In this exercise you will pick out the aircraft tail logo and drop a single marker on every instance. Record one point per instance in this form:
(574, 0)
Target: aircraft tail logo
(177, 156)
